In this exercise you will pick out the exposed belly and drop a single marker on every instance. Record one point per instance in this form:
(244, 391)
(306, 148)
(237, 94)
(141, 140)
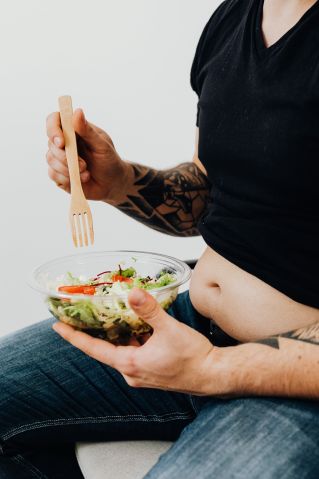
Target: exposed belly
(245, 307)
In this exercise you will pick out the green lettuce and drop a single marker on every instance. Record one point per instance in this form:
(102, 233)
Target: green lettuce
(73, 280)
(128, 273)
(85, 311)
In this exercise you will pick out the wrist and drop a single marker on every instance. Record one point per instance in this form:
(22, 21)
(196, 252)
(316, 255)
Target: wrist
(125, 177)
(244, 370)
(223, 373)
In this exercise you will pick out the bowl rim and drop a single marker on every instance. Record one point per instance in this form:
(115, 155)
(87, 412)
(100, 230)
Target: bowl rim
(56, 294)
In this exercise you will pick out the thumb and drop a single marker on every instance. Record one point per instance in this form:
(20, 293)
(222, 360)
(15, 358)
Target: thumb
(83, 128)
(147, 308)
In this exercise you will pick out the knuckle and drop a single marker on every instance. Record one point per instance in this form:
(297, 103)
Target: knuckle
(85, 176)
(152, 309)
(52, 174)
(65, 187)
(57, 166)
(48, 119)
(82, 165)
(52, 124)
(49, 157)
(130, 366)
(60, 154)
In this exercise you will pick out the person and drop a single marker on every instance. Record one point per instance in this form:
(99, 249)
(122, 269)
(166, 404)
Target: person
(231, 371)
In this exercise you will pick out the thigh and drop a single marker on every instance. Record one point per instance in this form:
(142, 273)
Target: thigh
(246, 439)
(52, 392)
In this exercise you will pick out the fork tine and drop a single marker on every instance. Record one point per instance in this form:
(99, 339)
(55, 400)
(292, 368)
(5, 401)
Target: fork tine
(78, 224)
(72, 222)
(85, 232)
(90, 223)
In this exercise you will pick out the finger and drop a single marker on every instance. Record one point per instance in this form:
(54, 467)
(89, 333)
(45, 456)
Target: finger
(59, 153)
(84, 129)
(93, 347)
(61, 156)
(59, 179)
(85, 176)
(147, 308)
(57, 165)
(54, 130)
(63, 179)
(118, 357)
(82, 165)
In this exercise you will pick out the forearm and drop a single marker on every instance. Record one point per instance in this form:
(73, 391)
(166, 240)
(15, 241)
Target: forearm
(170, 201)
(287, 365)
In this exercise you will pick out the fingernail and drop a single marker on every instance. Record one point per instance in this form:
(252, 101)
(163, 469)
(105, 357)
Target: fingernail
(57, 141)
(139, 297)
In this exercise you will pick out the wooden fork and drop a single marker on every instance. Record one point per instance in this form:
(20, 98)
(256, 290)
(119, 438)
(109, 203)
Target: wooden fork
(80, 213)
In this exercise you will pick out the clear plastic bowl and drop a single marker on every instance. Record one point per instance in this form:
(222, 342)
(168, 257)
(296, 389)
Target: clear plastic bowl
(107, 317)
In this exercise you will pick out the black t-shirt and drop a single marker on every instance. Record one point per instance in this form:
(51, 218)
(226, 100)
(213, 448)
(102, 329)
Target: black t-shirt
(258, 124)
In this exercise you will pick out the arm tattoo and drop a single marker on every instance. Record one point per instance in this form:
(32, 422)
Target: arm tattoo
(310, 334)
(170, 201)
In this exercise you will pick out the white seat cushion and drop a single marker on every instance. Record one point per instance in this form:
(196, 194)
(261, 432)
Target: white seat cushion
(119, 460)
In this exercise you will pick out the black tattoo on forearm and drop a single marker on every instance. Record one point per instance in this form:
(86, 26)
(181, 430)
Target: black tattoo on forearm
(310, 334)
(170, 201)
(272, 342)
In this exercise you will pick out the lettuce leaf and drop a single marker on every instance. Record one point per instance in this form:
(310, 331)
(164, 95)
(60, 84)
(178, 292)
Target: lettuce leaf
(164, 280)
(73, 280)
(83, 310)
(128, 273)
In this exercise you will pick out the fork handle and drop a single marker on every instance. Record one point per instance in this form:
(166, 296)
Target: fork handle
(66, 114)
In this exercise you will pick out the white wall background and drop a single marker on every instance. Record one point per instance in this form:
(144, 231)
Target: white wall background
(127, 63)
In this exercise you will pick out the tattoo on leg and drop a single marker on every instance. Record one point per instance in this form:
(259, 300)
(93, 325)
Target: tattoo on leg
(170, 201)
(310, 334)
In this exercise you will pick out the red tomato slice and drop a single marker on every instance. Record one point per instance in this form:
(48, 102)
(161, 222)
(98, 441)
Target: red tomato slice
(78, 289)
(122, 279)
(90, 290)
(72, 289)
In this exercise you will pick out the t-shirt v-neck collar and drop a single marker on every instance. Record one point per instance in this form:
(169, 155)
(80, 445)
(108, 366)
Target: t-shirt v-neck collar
(262, 49)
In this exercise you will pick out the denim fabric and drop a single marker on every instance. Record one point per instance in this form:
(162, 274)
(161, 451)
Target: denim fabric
(246, 439)
(52, 395)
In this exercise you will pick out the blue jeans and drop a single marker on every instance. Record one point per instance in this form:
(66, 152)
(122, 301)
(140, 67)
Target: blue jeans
(52, 395)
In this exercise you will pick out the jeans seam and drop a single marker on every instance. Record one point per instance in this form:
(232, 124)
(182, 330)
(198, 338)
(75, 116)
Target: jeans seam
(23, 462)
(95, 420)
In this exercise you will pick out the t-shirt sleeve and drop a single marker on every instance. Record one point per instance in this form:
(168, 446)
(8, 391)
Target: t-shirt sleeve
(200, 53)
(195, 68)
(197, 58)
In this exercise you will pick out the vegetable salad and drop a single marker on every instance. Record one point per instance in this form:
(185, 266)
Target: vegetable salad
(108, 315)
